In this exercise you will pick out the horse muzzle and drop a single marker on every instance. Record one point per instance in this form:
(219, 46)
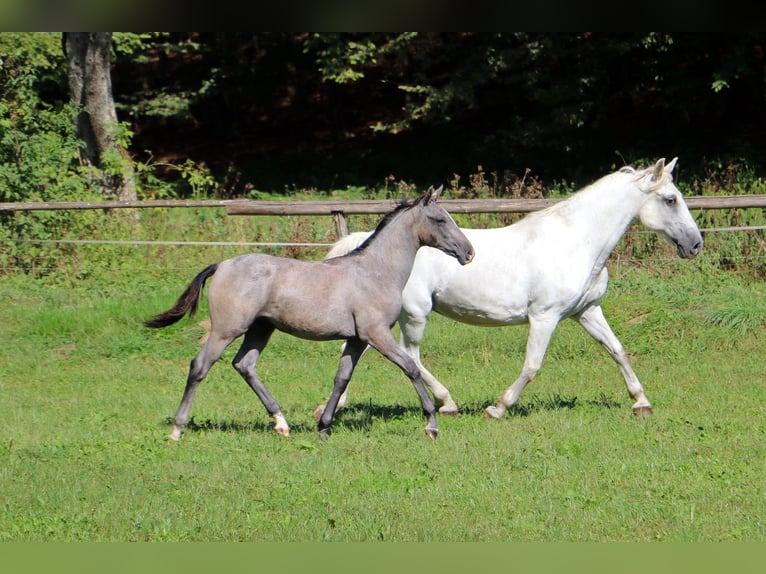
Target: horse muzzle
(690, 247)
(467, 258)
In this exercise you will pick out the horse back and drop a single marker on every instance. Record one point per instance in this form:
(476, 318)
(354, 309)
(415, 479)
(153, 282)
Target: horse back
(318, 300)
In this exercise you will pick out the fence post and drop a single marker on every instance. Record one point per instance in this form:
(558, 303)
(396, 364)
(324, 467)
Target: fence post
(340, 223)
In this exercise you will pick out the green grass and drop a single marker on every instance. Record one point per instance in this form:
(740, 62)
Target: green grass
(87, 394)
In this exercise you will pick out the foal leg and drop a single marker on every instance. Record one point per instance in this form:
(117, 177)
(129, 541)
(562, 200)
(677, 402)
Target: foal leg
(343, 398)
(198, 370)
(352, 352)
(383, 341)
(246, 362)
(594, 322)
(540, 333)
(412, 329)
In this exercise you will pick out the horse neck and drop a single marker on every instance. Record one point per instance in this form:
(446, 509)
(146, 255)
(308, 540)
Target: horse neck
(611, 205)
(394, 247)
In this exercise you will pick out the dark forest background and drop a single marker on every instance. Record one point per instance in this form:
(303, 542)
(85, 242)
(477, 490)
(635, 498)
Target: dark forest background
(283, 111)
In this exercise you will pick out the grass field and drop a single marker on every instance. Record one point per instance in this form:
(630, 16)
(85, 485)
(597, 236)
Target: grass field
(88, 393)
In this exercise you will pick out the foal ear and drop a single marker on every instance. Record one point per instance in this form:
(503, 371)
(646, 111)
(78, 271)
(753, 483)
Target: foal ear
(433, 194)
(658, 170)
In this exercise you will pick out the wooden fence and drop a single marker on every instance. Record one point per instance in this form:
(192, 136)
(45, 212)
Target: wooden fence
(338, 209)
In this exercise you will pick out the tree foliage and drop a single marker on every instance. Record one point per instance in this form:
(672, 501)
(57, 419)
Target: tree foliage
(38, 146)
(566, 105)
(279, 110)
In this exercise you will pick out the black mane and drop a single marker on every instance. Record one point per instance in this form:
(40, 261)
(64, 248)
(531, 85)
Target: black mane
(402, 206)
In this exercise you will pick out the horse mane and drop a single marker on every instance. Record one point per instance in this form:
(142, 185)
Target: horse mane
(580, 193)
(401, 206)
(638, 174)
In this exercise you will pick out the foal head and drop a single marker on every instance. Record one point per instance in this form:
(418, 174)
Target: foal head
(665, 210)
(432, 224)
(436, 227)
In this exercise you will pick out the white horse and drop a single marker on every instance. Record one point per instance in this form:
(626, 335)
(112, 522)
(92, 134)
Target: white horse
(549, 266)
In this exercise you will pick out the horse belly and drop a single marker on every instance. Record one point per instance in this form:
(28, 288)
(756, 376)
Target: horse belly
(313, 321)
(480, 307)
(481, 293)
(506, 291)
(312, 333)
(481, 317)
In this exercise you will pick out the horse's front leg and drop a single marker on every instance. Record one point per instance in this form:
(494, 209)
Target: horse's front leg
(540, 333)
(352, 352)
(383, 341)
(594, 322)
(319, 410)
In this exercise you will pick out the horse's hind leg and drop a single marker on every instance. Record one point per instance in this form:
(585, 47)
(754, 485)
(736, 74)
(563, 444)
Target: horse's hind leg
(412, 330)
(198, 370)
(594, 322)
(246, 363)
(343, 398)
(352, 352)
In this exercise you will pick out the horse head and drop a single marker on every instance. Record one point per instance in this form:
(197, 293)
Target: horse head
(438, 229)
(665, 210)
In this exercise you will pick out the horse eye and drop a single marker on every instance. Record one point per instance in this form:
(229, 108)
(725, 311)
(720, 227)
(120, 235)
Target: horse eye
(670, 201)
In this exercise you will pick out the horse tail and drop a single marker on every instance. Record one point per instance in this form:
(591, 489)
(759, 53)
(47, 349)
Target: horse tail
(187, 302)
(347, 244)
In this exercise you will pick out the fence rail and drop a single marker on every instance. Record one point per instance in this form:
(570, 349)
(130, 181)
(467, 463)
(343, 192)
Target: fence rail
(456, 205)
(357, 207)
(338, 209)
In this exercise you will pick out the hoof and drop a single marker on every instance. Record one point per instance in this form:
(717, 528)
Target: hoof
(492, 413)
(432, 433)
(447, 407)
(175, 434)
(643, 412)
(318, 412)
(283, 432)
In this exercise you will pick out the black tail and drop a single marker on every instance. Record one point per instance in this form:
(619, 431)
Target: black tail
(187, 302)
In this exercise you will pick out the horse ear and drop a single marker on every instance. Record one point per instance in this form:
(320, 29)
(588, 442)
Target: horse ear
(659, 167)
(671, 165)
(432, 194)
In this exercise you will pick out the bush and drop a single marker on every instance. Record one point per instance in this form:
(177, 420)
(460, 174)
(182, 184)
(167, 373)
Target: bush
(39, 148)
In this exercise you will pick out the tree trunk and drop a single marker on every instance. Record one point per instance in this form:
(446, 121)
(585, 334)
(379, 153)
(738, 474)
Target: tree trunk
(90, 86)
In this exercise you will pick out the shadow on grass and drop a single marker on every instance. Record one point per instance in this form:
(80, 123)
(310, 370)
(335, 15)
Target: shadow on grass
(359, 416)
(232, 426)
(553, 402)
(354, 417)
